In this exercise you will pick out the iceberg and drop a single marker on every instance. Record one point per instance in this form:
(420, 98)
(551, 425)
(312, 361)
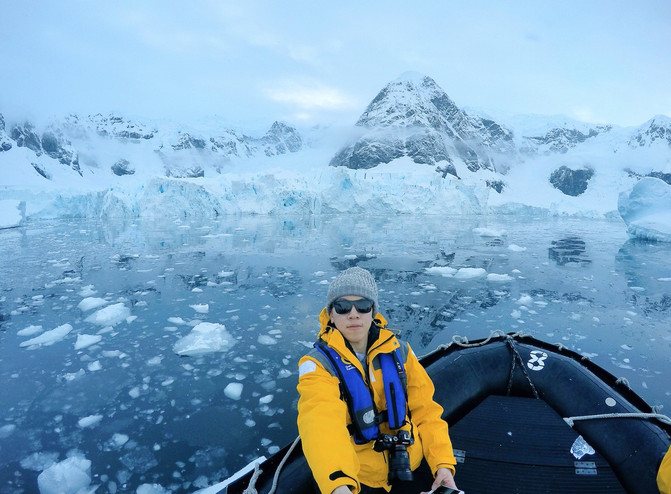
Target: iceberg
(12, 213)
(646, 210)
(48, 337)
(70, 476)
(110, 316)
(206, 337)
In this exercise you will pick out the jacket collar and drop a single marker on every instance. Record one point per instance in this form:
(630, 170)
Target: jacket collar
(335, 339)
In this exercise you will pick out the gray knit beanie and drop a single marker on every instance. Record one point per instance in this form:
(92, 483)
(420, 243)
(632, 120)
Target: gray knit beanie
(353, 281)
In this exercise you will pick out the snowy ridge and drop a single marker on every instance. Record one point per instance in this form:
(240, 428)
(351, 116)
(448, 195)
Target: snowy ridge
(413, 150)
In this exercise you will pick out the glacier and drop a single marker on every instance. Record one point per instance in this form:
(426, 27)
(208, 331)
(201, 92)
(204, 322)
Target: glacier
(413, 151)
(646, 209)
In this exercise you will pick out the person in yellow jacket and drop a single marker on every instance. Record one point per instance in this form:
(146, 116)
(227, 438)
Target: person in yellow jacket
(664, 474)
(352, 328)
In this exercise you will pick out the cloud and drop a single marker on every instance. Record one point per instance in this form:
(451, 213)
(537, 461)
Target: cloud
(310, 96)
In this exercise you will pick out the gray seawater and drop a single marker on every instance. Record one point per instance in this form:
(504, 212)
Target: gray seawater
(162, 418)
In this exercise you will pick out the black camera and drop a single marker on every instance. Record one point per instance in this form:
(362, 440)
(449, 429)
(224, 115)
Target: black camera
(399, 460)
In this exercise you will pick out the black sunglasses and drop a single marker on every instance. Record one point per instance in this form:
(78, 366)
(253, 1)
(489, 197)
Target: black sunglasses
(344, 306)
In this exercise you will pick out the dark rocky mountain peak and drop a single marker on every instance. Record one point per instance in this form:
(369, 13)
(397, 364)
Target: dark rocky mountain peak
(658, 129)
(412, 116)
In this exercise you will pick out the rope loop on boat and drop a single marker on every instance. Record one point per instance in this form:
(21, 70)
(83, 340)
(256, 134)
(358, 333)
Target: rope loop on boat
(462, 341)
(635, 415)
(510, 340)
(623, 381)
(251, 488)
(276, 477)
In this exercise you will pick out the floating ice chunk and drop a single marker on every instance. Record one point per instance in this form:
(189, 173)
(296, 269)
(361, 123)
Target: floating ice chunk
(206, 337)
(110, 316)
(468, 273)
(441, 270)
(118, 440)
(86, 340)
(135, 392)
(29, 330)
(90, 303)
(201, 308)
(94, 366)
(499, 277)
(151, 489)
(264, 400)
(233, 391)
(525, 299)
(646, 209)
(176, 320)
(489, 232)
(49, 337)
(284, 373)
(71, 376)
(7, 430)
(70, 476)
(12, 212)
(87, 291)
(39, 461)
(516, 248)
(516, 314)
(90, 421)
(265, 339)
(580, 448)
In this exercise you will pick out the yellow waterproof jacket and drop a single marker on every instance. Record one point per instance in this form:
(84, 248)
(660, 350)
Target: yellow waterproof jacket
(664, 474)
(323, 417)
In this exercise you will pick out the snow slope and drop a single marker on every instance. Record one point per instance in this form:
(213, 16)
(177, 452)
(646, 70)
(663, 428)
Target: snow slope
(413, 151)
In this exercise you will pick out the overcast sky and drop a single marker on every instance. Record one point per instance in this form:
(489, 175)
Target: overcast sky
(314, 61)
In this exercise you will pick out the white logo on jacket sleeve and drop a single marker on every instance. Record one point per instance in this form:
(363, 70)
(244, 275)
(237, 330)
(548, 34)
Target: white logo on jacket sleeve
(306, 367)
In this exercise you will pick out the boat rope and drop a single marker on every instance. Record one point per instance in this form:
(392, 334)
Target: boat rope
(517, 357)
(635, 415)
(623, 381)
(251, 488)
(462, 341)
(276, 477)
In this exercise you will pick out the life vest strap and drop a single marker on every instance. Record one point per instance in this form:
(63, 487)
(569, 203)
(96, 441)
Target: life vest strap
(358, 396)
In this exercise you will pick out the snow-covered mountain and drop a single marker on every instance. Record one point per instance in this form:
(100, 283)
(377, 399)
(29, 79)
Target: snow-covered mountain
(412, 150)
(414, 117)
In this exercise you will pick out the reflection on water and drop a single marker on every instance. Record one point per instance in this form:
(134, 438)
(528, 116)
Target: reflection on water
(647, 270)
(167, 419)
(570, 249)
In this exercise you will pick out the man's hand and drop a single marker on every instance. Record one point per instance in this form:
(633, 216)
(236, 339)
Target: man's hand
(341, 489)
(443, 477)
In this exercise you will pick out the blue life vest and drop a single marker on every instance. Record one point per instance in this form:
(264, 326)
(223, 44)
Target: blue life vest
(359, 399)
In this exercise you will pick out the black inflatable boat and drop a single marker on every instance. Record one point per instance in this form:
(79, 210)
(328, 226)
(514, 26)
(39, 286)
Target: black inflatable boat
(525, 416)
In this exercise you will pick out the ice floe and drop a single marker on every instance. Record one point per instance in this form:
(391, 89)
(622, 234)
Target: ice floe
(48, 337)
(204, 338)
(110, 316)
(70, 476)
